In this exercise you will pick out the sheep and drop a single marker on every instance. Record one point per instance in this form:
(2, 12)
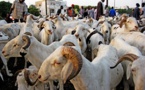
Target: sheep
(122, 49)
(47, 34)
(62, 27)
(21, 79)
(2, 22)
(32, 48)
(71, 65)
(3, 36)
(12, 30)
(135, 39)
(82, 33)
(136, 68)
(31, 26)
(105, 29)
(129, 24)
(94, 39)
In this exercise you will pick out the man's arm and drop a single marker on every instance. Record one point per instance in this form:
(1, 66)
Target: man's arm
(25, 11)
(12, 8)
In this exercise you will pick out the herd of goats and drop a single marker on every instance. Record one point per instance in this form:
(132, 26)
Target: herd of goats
(91, 54)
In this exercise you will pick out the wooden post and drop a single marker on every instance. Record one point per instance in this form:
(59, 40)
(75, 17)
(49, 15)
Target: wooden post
(46, 6)
(106, 2)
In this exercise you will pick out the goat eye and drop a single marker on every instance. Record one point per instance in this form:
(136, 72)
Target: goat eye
(133, 70)
(20, 74)
(15, 45)
(55, 63)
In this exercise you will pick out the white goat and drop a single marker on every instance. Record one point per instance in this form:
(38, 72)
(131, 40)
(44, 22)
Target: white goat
(31, 27)
(30, 72)
(47, 34)
(93, 40)
(62, 27)
(2, 22)
(135, 39)
(128, 24)
(136, 68)
(71, 65)
(12, 29)
(82, 33)
(105, 29)
(122, 49)
(33, 48)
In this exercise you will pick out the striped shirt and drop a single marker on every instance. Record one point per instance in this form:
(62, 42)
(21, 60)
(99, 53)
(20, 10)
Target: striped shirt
(18, 9)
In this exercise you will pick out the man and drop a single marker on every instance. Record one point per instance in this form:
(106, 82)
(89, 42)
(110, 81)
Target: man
(91, 12)
(143, 11)
(59, 10)
(18, 10)
(100, 9)
(136, 12)
(112, 12)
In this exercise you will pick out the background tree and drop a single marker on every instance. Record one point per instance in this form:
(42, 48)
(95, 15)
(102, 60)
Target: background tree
(33, 10)
(77, 7)
(4, 8)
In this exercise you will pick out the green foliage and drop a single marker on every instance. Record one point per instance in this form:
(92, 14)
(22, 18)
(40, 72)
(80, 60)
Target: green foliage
(77, 7)
(4, 8)
(33, 10)
(121, 11)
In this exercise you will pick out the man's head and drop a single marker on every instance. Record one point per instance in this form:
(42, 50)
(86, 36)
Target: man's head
(137, 4)
(21, 1)
(103, 0)
(61, 7)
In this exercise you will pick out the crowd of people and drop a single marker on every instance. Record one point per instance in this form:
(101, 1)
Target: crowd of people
(138, 12)
(93, 12)
(19, 11)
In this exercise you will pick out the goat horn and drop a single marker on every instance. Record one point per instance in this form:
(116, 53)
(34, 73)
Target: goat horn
(75, 58)
(28, 33)
(129, 57)
(40, 24)
(17, 72)
(26, 76)
(68, 44)
(27, 41)
(100, 22)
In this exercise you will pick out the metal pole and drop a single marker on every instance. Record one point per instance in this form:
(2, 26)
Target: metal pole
(114, 3)
(46, 6)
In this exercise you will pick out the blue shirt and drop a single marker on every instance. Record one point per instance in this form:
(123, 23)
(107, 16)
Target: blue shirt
(112, 13)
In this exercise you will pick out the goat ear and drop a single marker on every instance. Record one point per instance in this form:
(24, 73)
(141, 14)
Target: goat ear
(128, 71)
(66, 71)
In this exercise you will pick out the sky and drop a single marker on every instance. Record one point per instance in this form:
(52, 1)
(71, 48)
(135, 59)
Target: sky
(118, 3)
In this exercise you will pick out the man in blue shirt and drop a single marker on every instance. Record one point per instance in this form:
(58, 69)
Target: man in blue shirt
(112, 12)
